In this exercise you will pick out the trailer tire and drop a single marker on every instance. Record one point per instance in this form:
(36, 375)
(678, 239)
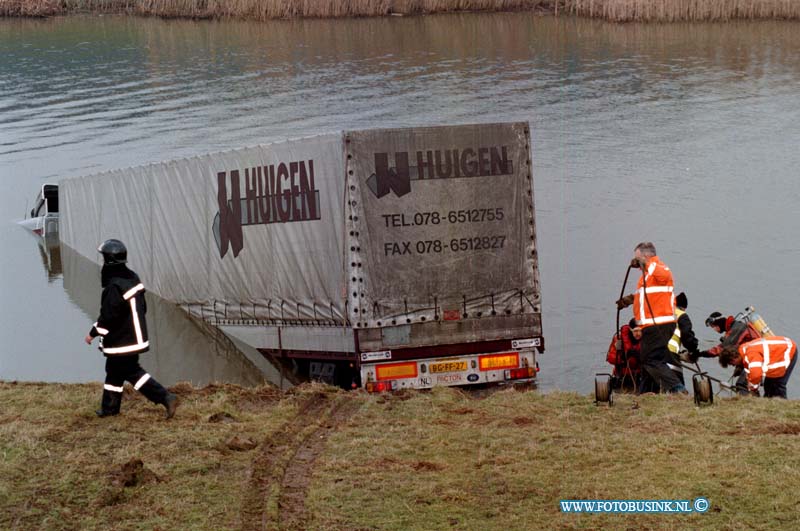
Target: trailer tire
(603, 392)
(703, 392)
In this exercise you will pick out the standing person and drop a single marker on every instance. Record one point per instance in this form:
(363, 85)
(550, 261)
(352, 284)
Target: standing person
(123, 330)
(769, 359)
(682, 337)
(654, 311)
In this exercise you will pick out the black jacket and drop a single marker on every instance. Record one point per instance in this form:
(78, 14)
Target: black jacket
(122, 324)
(688, 339)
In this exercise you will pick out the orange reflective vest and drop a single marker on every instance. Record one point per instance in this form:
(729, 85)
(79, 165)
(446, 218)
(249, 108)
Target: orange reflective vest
(655, 303)
(766, 358)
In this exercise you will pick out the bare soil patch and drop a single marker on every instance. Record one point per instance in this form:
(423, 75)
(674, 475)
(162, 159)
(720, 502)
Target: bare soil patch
(283, 469)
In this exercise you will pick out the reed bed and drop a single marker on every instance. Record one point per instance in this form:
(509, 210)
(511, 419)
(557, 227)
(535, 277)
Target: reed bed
(612, 10)
(264, 9)
(282, 9)
(685, 10)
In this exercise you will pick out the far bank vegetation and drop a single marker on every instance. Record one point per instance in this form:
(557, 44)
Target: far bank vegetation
(612, 10)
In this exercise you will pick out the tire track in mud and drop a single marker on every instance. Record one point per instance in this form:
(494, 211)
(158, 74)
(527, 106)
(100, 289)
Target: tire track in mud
(283, 468)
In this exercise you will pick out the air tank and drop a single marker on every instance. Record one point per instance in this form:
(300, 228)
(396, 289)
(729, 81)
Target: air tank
(758, 322)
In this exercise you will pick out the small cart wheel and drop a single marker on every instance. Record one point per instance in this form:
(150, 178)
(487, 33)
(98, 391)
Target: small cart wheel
(602, 389)
(703, 393)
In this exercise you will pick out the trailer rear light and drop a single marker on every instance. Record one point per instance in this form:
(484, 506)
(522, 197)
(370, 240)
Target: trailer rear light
(516, 374)
(452, 315)
(393, 371)
(379, 387)
(494, 362)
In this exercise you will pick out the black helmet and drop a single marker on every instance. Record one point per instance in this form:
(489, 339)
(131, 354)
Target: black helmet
(113, 251)
(716, 319)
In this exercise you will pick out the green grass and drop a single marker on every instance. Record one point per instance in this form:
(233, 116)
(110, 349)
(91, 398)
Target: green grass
(427, 460)
(58, 462)
(442, 460)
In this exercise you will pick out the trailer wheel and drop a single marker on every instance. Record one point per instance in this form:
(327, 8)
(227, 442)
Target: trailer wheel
(602, 389)
(703, 392)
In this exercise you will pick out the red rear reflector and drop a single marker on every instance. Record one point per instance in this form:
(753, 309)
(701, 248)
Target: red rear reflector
(523, 372)
(378, 387)
(451, 315)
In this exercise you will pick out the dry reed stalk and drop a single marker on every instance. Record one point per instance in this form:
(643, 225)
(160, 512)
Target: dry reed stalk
(684, 10)
(612, 10)
(262, 9)
(29, 8)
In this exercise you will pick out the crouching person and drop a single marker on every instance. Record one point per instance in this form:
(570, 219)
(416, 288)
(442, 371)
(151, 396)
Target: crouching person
(628, 374)
(770, 360)
(625, 361)
(123, 333)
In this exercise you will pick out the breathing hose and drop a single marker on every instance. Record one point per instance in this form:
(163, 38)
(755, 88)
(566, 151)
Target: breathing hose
(622, 291)
(619, 344)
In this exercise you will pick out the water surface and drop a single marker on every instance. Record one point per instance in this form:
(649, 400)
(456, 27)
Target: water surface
(683, 134)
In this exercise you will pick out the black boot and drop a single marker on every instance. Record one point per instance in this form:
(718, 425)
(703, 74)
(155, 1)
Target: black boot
(171, 403)
(110, 404)
(154, 391)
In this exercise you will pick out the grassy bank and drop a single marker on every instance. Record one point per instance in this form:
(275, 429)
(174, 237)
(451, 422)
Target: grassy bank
(613, 10)
(319, 458)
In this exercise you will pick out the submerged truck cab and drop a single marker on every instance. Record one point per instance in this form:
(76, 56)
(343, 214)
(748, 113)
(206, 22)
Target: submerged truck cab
(43, 217)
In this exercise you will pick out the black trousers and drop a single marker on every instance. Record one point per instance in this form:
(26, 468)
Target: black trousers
(741, 384)
(776, 387)
(120, 369)
(655, 355)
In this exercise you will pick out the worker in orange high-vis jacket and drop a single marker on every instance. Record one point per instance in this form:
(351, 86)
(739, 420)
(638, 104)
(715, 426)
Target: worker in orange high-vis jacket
(654, 311)
(767, 360)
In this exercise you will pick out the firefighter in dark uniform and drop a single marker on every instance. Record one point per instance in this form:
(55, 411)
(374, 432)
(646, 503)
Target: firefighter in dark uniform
(123, 333)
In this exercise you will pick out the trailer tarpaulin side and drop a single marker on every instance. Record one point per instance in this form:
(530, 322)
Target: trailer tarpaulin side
(255, 233)
(441, 223)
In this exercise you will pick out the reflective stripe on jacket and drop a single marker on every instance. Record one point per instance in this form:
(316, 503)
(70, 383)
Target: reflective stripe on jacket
(122, 324)
(674, 344)
(654, 304)
(766, 358)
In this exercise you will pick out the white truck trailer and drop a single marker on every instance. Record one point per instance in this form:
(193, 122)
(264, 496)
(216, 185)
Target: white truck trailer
(383, 259)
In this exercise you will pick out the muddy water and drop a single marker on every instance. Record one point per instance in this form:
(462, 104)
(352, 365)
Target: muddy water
(686, 135)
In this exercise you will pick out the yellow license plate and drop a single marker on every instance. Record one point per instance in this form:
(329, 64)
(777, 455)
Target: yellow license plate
(448, 366)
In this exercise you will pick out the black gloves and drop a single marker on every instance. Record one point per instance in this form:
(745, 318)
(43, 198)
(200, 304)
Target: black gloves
(697, 354)
(624, 302)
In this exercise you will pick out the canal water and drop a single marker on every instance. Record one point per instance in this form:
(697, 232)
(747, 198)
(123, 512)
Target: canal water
(687, 135)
